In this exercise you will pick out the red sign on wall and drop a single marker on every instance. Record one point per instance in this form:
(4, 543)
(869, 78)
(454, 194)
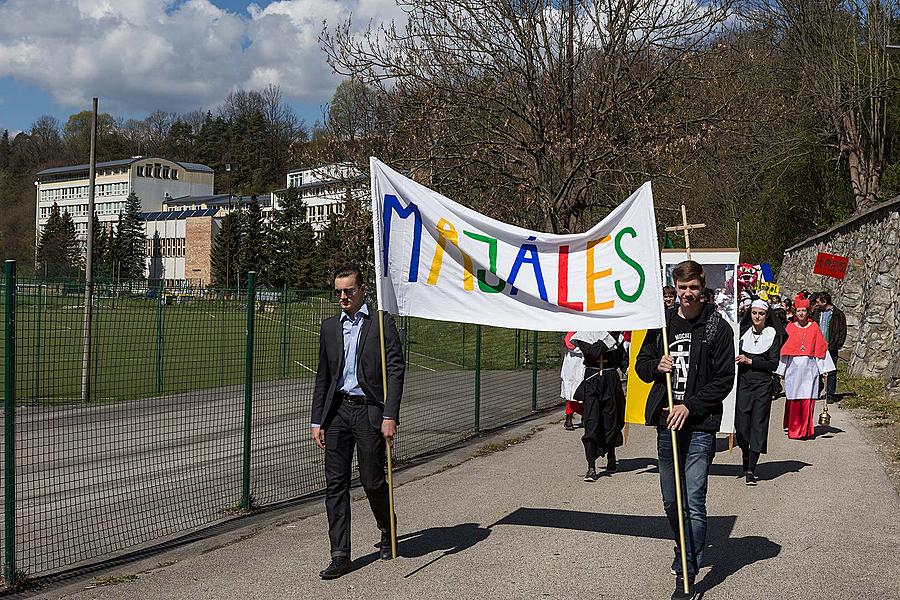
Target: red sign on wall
(831, 265)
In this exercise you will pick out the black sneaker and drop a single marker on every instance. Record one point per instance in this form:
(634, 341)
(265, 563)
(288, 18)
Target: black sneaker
(568, 424)
(591, 475)
(750, 478)
(611, 464)
(340, 565)
(679, 593)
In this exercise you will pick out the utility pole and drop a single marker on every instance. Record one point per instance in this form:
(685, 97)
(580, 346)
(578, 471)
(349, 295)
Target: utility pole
(89, 265)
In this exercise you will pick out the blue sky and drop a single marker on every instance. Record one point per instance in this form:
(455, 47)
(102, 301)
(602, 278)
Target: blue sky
(176, 55)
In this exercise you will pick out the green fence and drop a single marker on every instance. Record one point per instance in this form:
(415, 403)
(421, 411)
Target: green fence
(198, 407)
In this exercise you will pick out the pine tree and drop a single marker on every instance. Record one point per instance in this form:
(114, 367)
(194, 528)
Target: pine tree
(252, 256)
(226, 251)
(330, 252)
(59, 251)
(131, 240)
(102, 251)
(4, 150)
(292, 246)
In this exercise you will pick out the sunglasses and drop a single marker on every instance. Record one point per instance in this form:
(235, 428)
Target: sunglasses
(345, 292)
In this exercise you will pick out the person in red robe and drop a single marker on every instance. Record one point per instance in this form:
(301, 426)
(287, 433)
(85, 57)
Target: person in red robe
(804, 357)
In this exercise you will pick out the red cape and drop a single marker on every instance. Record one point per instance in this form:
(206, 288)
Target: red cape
(810, 338)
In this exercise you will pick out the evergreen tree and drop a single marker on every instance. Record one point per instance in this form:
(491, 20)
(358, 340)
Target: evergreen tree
(330, 253)
(4, 150)
(59, 251)
(131, 240)
(226, 251)
(102, 250)
(292, 246)
(252, 256)
(356, 228)
(179, 141)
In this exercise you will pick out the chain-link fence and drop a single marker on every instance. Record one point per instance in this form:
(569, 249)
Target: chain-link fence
(197, 406)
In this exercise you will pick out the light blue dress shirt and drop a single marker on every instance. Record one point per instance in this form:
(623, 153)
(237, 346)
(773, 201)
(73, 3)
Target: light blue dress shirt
(349, 383)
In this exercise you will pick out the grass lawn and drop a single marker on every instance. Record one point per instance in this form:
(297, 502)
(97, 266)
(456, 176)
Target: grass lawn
(144, 348)
(868, 394)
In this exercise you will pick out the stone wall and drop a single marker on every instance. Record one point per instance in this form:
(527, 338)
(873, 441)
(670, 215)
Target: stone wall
(870, 292)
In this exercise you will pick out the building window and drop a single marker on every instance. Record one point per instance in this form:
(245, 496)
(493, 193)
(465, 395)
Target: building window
(140, 171)
(165, 172)
(174, 173)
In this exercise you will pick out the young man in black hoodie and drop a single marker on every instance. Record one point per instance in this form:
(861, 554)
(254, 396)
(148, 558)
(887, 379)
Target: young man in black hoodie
(701, 361)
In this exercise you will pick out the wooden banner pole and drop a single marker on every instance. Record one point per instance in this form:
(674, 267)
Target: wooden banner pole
(390, 443)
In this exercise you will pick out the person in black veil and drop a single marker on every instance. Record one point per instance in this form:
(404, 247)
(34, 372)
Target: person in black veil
(604, 401)
(759, 351)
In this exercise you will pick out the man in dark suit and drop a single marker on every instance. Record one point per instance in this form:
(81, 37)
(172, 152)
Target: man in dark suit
(352, 408)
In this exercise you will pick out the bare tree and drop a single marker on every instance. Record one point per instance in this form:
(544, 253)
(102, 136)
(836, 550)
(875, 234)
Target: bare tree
(541, 112)
(837, 77)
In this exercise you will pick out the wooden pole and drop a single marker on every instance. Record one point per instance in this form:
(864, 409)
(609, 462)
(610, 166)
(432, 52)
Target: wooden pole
(678, 498)
(390, 443)
(686, 227)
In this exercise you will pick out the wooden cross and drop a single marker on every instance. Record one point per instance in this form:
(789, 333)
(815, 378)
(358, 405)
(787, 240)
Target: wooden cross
(686, 228)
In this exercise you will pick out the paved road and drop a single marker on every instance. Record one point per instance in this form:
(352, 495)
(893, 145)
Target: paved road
(823, 523)
(92, 480)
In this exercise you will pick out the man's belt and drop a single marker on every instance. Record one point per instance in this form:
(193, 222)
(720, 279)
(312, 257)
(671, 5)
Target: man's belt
(352, 400)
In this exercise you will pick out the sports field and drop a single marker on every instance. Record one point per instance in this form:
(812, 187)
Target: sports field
(145, 346)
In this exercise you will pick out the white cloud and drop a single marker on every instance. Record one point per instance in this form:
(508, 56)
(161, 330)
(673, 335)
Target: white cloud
(141, 55)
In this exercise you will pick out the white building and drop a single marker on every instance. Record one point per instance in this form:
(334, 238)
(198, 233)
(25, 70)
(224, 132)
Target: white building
(151, 179)
(324, 190)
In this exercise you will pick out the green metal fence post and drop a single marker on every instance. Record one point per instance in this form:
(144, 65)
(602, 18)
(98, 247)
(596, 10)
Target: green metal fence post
(37, 345)
(282, 346)
(159, 340)
(534, 369)
(463, 361)
(9, 426)
(478, 378)
(518, 348)
(223, 340)
(248, 386)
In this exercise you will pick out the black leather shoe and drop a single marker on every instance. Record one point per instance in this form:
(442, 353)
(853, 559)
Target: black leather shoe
(385, 546)
(568, 424)
(340, 565)
(679, 593)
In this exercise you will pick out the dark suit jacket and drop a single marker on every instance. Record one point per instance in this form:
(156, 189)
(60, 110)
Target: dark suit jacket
(368, 369)
(837, 329)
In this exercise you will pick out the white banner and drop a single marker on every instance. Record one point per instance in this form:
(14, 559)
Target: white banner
(437, 259)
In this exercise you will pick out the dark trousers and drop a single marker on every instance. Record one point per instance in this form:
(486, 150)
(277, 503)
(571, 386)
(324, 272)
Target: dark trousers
(351, 428)
(696, 450)
(831, 380)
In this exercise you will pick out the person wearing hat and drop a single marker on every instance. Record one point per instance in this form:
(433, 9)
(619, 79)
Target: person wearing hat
(760, 348)
(804, 357)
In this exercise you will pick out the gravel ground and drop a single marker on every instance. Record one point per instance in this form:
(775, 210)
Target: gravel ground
(516, 521)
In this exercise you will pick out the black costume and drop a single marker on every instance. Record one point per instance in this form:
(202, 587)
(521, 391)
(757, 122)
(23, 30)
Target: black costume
(604, 400)
(756, 386)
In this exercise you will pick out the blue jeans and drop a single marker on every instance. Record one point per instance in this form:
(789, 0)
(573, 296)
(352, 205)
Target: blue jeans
(696, 450)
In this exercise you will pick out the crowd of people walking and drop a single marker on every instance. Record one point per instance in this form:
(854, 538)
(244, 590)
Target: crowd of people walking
(784, 347)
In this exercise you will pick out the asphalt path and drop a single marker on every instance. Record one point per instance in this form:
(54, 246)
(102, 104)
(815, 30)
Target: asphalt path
(96, 480)
(520, 523)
